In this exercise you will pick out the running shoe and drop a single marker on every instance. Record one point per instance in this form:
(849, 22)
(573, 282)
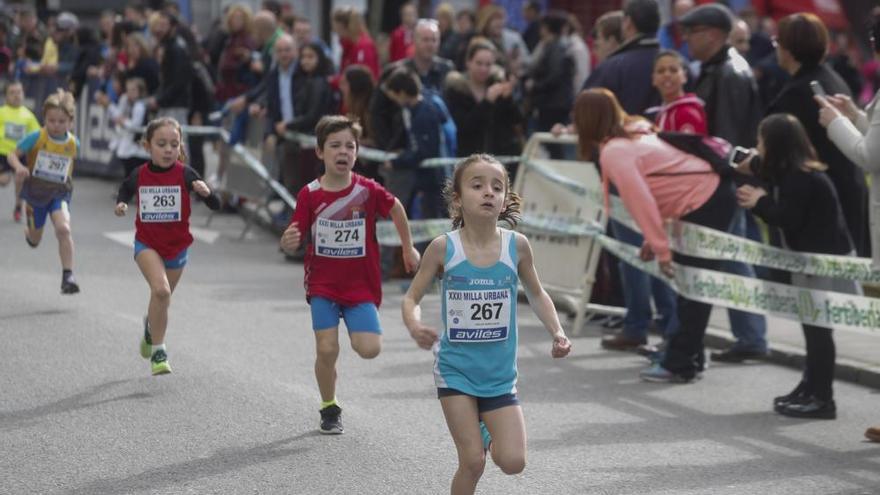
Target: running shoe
(68, 285)
(146, 341)
(159, 363)
(658, 374)
(487, 438)
(331, 420)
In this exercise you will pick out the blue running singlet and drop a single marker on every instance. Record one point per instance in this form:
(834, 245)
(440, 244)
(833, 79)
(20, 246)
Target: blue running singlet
(476, 354)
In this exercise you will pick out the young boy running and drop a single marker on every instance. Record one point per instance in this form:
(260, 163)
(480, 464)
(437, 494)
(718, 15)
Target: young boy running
(336, 216)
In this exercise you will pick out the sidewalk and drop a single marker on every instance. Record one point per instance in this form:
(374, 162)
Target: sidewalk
(858, 354)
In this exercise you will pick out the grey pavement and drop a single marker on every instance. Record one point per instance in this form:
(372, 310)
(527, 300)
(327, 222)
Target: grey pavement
(80, 413)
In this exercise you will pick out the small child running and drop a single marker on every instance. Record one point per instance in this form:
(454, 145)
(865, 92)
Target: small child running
(162, 236)
(47, 179)
(336, 215)
(16, 121)
(480, 266)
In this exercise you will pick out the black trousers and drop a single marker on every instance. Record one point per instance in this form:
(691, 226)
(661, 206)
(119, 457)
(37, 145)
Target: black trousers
(819, 369)
(684, 353)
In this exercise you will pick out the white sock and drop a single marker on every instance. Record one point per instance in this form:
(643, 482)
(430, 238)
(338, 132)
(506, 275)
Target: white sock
(157, 347)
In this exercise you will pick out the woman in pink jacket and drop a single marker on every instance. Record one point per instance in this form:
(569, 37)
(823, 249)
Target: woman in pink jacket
(657, 182)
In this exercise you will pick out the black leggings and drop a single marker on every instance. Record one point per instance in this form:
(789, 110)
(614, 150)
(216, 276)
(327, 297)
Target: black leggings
(684, 354)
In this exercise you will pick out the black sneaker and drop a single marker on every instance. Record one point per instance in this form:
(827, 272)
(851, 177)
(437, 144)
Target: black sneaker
(737, 356)
(331, 420)
(68, 285)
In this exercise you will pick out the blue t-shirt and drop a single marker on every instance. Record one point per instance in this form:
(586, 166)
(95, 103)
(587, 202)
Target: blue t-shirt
(476, 354)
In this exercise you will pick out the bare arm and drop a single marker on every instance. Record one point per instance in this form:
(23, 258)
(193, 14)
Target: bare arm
(18, 167)
(540, 301)
(401, 223)
(424, 335)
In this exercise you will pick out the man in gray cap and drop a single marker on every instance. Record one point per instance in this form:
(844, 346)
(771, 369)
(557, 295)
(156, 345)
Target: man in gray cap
(733, 108)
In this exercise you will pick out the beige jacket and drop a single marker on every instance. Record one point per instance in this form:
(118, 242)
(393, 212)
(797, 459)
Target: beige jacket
(860, 142)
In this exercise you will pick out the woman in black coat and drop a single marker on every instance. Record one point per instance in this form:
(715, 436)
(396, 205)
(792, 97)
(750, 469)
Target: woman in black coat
(800, 199)
(480, 102)
(801, 46)
(312, 96)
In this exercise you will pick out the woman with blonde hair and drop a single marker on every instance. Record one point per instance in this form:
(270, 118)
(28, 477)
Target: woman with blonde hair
(357, 45)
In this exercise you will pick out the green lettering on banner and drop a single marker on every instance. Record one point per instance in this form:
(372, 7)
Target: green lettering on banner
(814, 307)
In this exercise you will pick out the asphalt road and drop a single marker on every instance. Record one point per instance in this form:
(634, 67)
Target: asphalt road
(80, 413)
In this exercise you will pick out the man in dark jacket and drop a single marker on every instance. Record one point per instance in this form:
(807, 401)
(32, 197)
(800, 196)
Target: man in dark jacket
(293, 103)
(627, 71)
(733, 108)
(549, 83)
(173, 97)
(386, 123)
(726, 84)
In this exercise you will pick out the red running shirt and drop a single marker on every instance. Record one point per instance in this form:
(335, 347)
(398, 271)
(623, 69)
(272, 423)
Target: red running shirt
(339, 229)
(163, 203)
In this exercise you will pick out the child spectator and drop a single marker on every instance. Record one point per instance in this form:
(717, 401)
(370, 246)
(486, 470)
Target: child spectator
(129, 111)
(680, 112)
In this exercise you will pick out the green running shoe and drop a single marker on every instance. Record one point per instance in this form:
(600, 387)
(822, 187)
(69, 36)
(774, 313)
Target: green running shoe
(159, 363)
(146, 341)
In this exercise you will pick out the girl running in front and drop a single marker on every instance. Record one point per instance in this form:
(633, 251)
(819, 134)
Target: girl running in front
(475, 357)
(337, 213)
(46, 179)
(162, 236)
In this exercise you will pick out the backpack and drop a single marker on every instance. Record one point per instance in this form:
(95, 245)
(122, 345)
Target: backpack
(714, 150)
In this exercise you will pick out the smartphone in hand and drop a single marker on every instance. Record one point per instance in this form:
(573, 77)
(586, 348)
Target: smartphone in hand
(817, 88)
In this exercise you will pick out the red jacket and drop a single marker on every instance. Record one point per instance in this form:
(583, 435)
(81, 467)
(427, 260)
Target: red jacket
(685, 114)
(362, 52)
(401, 46)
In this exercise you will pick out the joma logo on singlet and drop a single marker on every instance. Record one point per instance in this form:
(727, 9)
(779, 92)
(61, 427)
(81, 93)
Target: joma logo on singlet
(481, 281)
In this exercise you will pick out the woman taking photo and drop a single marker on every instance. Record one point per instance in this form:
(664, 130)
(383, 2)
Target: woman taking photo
(857, 134)
(804, 204)
(658, 182)
(801, 46)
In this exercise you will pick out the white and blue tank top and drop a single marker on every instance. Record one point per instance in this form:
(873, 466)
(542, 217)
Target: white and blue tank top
(476, 353)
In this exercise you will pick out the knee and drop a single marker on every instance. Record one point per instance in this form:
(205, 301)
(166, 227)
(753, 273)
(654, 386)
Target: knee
(510, 463)
(161, 293)
(367, 351)
(327, 351)
(473, 465)
(62, 230)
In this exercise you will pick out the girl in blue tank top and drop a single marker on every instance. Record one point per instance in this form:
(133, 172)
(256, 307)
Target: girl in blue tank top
(480, 266)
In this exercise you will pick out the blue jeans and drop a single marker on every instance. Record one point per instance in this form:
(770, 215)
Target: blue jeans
(749, 329)
(638, 287)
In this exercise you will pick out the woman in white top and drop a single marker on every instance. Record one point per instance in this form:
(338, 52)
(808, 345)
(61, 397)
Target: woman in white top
(857, 134)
